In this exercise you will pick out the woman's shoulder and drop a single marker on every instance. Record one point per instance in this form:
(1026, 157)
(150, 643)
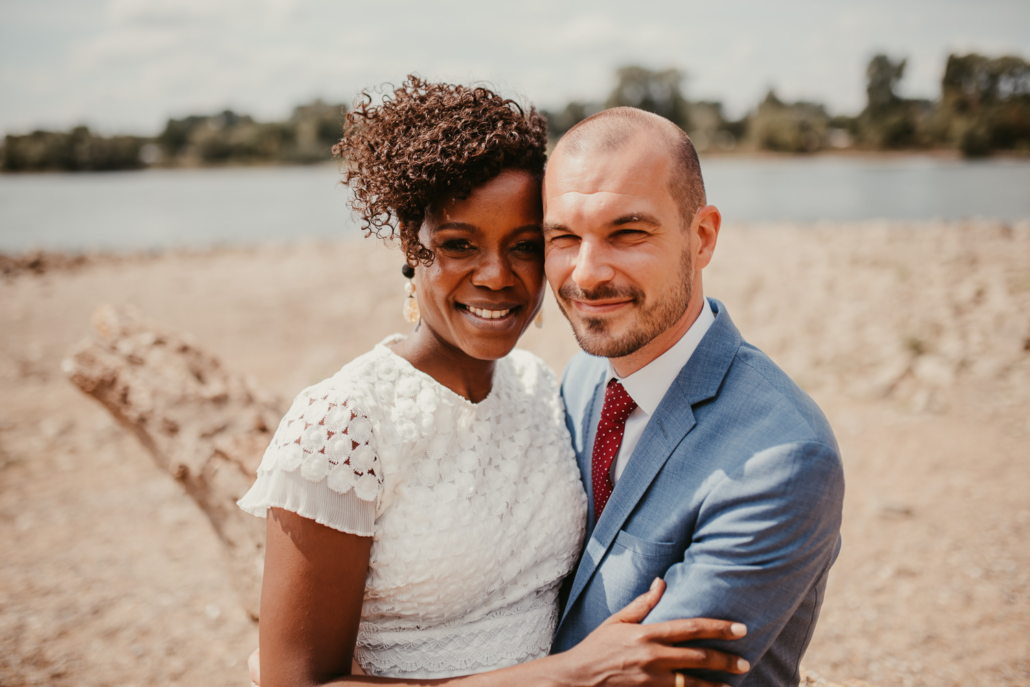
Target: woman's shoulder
(531, 374)
(357, 380)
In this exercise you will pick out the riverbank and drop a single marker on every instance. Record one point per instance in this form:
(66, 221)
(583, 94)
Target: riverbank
(913, 337)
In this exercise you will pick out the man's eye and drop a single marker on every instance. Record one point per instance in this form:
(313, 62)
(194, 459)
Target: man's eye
(561, 238)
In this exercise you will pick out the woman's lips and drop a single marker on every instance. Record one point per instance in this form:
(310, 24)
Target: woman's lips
(488, 314)
(494, 313)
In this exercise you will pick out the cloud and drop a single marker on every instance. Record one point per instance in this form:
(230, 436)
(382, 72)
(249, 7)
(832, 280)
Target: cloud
(130, 64)
(193, 12)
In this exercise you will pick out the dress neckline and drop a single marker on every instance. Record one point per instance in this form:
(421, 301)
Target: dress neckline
(447, 391)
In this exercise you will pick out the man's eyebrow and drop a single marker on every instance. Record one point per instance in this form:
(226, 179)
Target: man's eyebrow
(552, 228)
(636, 218)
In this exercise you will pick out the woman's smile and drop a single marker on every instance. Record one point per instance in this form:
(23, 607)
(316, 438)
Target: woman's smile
(489, 315)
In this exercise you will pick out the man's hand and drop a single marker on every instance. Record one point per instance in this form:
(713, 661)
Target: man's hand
(621, 651)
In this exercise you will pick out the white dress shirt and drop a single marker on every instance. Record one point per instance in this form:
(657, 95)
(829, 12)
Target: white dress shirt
(648, 385)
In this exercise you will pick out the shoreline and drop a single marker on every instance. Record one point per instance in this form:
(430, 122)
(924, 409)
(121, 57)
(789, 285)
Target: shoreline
(944, 154)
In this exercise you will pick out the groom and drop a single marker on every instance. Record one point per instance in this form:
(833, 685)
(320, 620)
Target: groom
(704, 463)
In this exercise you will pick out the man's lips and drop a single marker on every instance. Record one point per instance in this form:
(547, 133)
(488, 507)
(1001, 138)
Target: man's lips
(600, 307)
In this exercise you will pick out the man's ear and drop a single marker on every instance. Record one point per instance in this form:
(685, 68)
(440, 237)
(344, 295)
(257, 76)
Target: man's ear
(707, 222)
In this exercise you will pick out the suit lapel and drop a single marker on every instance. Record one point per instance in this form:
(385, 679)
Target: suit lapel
(593, 416)
(698, 381)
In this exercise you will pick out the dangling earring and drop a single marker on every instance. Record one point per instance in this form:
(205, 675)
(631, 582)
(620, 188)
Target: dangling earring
(411, 313)
(539, 321)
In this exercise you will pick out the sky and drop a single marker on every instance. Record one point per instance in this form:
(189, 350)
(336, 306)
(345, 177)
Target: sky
(128, 65)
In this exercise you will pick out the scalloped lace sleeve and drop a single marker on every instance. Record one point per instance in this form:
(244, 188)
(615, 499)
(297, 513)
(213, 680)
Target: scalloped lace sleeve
(321, 464)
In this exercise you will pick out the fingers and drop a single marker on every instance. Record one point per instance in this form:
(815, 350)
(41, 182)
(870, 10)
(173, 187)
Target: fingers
(684, 630)
(696, 658)
(254, 665)
(637, 609)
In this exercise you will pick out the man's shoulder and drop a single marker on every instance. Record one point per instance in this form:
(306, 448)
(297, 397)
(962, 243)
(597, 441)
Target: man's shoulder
(760, 399)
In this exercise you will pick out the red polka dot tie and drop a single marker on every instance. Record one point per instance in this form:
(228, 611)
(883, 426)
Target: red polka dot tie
(617, 407)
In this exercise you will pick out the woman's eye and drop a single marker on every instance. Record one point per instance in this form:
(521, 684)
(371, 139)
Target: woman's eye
(457, 245)
(529, 247)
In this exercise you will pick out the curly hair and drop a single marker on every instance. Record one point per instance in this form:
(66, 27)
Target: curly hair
(427, 142)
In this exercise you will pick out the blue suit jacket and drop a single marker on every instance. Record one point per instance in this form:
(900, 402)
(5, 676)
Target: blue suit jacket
(733, 495)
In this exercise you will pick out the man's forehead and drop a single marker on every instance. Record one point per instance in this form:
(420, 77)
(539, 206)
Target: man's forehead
(628, 168)
(602, 183)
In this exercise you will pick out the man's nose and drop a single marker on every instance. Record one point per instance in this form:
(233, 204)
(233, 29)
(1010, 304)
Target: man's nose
(592, 265)
(493, 272)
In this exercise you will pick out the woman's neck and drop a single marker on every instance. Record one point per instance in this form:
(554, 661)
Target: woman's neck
(450, 366)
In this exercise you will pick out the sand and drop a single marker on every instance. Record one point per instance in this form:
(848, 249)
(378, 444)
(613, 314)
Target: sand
(914, 339)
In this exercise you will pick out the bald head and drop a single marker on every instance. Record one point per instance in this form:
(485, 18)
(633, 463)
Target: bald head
(614, 128)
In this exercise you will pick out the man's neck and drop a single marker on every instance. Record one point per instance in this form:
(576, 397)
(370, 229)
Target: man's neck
(652, 350)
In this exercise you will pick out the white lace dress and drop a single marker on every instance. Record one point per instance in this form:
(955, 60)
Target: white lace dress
(476, 510)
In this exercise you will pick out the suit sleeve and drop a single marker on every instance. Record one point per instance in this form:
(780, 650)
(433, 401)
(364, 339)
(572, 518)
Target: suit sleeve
(764, 538)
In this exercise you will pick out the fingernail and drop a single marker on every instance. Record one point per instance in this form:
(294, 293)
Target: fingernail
(743, 665)
(738, 629)
(654, 585)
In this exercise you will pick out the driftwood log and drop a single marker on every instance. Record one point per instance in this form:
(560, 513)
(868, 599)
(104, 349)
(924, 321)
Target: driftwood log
(202, 424)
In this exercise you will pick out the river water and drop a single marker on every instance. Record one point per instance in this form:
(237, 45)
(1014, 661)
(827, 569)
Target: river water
(202, 207)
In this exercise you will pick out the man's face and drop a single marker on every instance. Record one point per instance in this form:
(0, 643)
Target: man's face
(617, 251)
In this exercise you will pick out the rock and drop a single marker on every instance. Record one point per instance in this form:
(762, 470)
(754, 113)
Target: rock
(203, 425)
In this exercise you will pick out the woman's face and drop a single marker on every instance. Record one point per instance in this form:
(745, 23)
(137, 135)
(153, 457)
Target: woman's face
(486, 283)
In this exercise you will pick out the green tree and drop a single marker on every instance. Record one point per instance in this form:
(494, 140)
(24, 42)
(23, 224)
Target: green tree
(889, 121)
(882, 77)
(76, 151)
(654, 91)
(787, 127)
(985, 103)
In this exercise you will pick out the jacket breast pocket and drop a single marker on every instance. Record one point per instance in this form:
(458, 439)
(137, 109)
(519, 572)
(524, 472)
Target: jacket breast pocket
(631, 565)
(644, 547)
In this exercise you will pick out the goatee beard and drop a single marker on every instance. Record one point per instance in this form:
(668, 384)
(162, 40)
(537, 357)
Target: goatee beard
(593, 334)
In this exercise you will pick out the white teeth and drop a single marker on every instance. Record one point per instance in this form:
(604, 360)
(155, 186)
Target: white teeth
(488, 314)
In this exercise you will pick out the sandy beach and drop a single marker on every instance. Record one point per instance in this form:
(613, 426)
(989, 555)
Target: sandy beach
(913, 337)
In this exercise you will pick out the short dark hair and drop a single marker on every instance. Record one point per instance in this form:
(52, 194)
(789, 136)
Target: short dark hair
(610, 129)
(426, 142)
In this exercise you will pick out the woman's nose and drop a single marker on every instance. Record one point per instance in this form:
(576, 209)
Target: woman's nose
(493, 272)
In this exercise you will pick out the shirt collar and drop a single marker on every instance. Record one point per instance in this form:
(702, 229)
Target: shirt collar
(648, 385)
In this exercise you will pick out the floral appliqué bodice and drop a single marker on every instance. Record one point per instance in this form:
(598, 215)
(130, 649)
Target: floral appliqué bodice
(476, 511)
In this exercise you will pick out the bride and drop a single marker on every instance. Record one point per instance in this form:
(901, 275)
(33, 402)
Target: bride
(424, 503)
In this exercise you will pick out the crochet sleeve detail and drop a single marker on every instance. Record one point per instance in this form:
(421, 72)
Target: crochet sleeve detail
(321, 464)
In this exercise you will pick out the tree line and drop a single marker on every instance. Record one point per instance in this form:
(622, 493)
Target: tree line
(223, 138)
(984, 107)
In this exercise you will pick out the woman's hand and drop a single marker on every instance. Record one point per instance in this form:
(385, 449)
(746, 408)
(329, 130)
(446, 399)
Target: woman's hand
(254, 666)
(621, 651)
